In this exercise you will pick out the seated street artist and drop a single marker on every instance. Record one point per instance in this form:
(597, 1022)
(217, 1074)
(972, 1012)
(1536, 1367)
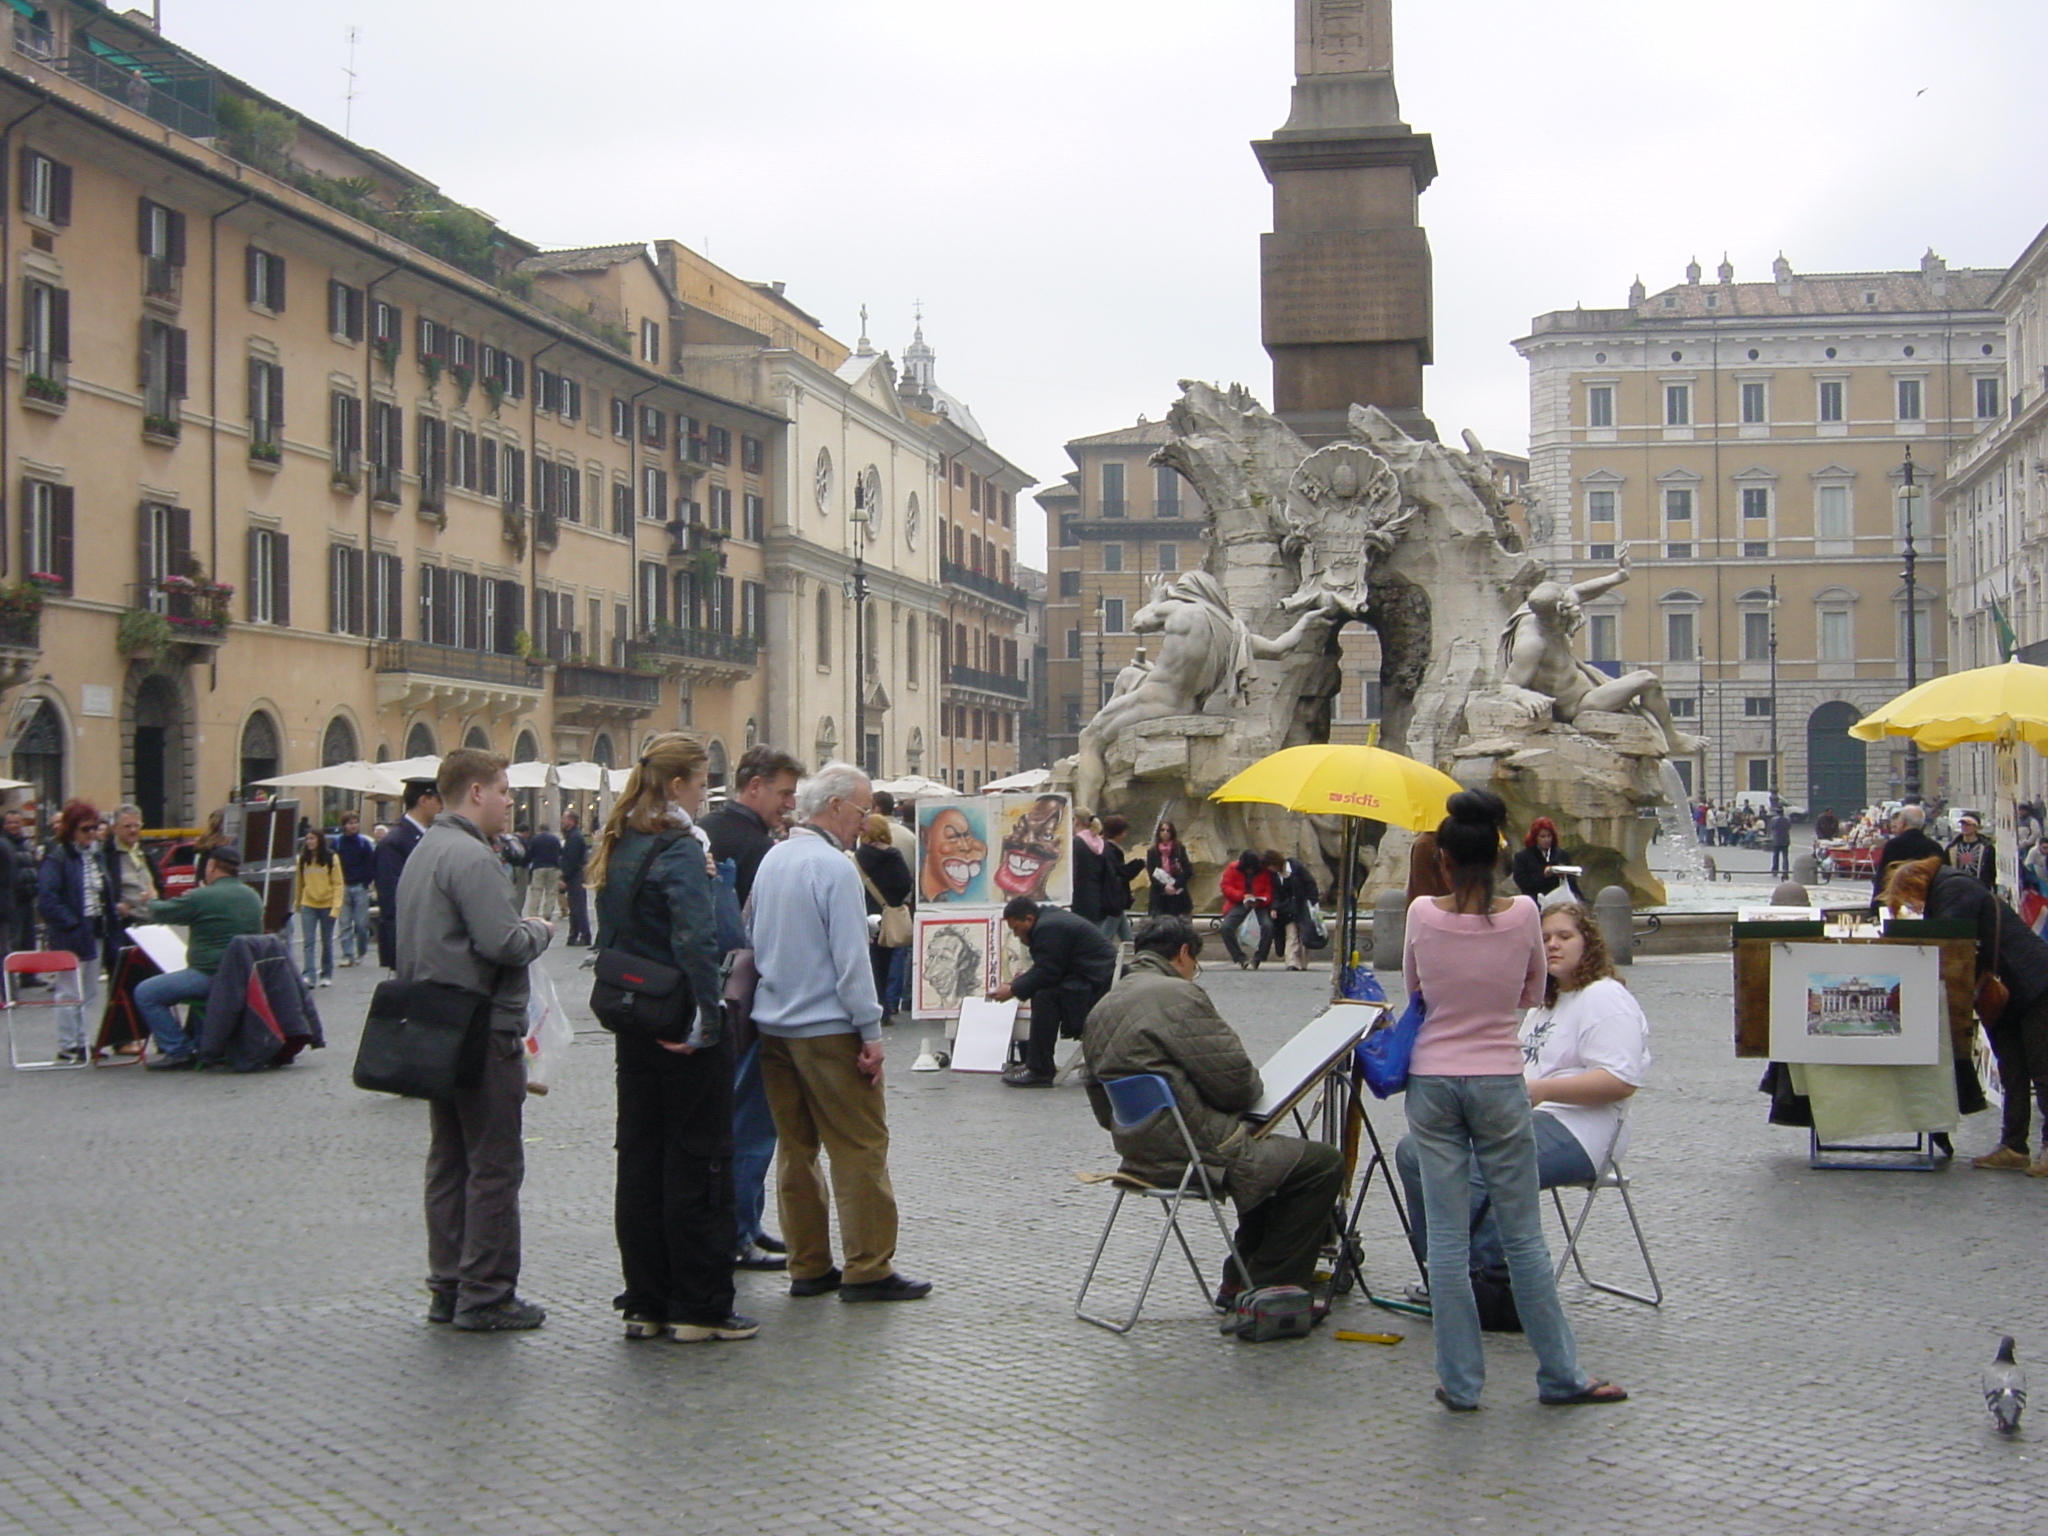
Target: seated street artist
(220, 910)
(1156, 1019)
(1584, 1051)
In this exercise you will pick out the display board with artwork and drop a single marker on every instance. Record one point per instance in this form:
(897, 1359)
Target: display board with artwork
(982, 850)
(1856, 1004)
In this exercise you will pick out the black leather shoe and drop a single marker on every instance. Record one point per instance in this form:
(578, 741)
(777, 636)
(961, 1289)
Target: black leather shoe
(817, 1285)
(770, 1243)
(895, 1288)
(1024, 1077)
(440, 1306)
(511, 1315)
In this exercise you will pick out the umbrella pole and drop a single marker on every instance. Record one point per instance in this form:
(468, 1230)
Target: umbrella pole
(1347, 911)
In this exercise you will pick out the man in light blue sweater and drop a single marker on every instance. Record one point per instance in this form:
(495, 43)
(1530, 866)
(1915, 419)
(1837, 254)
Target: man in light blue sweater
(821, 1046)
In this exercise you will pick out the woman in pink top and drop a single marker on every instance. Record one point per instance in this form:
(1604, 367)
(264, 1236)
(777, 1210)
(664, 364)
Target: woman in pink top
(1477, 959)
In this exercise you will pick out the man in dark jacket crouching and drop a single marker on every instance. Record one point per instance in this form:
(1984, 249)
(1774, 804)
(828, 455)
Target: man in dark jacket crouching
(1157, 1020)
(462, 928)
(1072, 965)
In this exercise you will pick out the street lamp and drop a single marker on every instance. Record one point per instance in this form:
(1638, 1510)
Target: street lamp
(1774, 693)
(857, 589)
(1909, 502)
(1699, 708)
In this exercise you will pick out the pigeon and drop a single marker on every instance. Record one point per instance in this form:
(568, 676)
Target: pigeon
(2005, 1389)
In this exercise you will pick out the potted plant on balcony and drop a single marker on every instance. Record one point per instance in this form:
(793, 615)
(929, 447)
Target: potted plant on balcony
(494, 393)
(346, 482)
(49, 583)
(47, 390)
(512, 522)
(164, 427)
(385, 350)
(430, 365)
(465, 379)
(21, 614)
(263, 453)
(141, 635)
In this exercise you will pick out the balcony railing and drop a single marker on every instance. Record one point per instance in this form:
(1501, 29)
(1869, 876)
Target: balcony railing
(607, 685)
(547, 529)
(687, 538)
(974, 581)
(133, 90)
(21, 631)
(37, 42)
(384, 484)
(197, 611)
(1111, 508)
(666, 642)
(988, 682)
(452, 661)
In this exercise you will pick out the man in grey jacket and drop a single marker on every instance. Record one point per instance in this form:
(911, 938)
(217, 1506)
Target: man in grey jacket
(462, 927)
(1157, 1020)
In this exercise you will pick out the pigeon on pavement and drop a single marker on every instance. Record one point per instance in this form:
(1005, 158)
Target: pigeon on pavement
(2005, 1389)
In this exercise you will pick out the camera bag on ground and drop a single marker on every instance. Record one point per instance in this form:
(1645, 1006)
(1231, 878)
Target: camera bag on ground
(422, 1039)
(633, 995)
(1269, 1312)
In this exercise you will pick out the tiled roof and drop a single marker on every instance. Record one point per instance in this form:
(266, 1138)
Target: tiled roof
(588, 258)
(1146, 434)
(1826, 293)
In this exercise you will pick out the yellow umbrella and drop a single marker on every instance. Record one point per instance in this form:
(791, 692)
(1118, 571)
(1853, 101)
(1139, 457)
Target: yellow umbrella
(2006, 703)
(1331, 780)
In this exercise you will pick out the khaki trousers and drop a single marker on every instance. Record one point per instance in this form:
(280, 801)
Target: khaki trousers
(819, 1099)
(541, 887)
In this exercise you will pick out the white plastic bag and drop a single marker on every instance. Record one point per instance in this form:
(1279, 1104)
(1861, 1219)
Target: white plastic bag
(548, 1033)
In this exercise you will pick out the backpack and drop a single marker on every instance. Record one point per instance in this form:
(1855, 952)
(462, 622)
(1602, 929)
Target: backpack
(1496, 1299)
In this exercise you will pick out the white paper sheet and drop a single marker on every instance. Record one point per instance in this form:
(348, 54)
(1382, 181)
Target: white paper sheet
(165, 946)
(982, 1043)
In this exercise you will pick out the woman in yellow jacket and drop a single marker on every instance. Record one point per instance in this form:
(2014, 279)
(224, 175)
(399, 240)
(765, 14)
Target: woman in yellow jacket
(317, 891)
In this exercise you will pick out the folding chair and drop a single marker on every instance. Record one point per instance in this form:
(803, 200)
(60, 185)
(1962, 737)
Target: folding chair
(1609, 1177)
(1133, 1101)
(67, 989)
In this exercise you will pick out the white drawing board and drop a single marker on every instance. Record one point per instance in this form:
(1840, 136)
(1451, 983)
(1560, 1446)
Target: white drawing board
(164, 945)
(1324, 1039)
(982, 1041)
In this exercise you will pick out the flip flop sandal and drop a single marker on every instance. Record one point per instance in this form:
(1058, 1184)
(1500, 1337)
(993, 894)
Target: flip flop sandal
(1591, 1393)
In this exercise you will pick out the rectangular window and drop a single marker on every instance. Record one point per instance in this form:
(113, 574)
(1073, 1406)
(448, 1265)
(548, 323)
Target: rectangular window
(433, 340)
(45, 188)
(1987, 397)
(720, 444)
(654, 493)
(1909, 399)
(161, 237)
(266, 405)
(1756, 549)
(1112, 483)
(344, 432)
(1073, 645)
(1678, 551)
(622, 509)
(461, 351)
(1112, 615)
(1755, 410)
(163, 374)
(1677, 505)
(1169, 557)
(753, 455)
(653, 427)
(1837, 637)
(433, 463)
(512, 477)
(622, 417)
(1600, 506)
(1599, 551)
(1831, 512)
(1756, 637)
(345, 590)
(344, 312)
(1677, 405)
(387, 328)
(1757, 707)
(543, 390)
(1372, 698)
(46, 531)
(1759, 771)
(1683, 708)
(46, 332)
(387, 597)
(1831, 400)
(1070, 583)
(755, 512)
(1756, 501)
(1602, 637)
(1600, 405)
(721, 509)
(387, 450)
(568, 399)
(973, 492)
(1921, 636)
(1165, 492)
(1679, 644)
(1112, 557)
(650, 342)
(270, 586)
(263, 279)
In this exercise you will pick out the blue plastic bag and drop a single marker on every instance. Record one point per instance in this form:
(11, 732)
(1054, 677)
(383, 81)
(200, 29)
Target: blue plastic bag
(1361, 986)
(1383, 1054)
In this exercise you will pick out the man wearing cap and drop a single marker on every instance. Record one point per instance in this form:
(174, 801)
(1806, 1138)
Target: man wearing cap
(221, 909)
(1973, 854)
(422, 805)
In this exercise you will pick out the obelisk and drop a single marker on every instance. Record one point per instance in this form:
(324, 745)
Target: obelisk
(1345, 274)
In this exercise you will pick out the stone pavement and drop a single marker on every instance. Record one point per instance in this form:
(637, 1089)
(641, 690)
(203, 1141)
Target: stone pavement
(213, 1324)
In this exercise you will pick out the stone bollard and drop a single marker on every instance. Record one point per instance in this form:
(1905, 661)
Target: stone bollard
(1790, 894)
(1806, 871)
(1617, 923)
(1389, 929)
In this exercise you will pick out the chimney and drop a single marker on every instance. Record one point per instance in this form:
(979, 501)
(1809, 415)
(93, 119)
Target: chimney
(1935, 271)
(1781, 270)
(1726, 271)
(1637, 293)
(1692, 271)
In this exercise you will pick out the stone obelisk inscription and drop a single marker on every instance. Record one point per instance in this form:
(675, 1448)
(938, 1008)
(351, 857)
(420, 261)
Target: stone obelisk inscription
(1343, 37)
(1345, 274)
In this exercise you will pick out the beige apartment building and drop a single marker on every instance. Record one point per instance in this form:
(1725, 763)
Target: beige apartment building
(1995, 502)
(1746, 443)
(307, 463)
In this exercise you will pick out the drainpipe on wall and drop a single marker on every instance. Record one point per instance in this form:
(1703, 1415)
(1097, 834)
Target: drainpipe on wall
(369, 488)
(213, 404)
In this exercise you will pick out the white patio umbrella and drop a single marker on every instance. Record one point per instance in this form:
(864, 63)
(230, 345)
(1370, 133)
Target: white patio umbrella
(529, 775)
(585, 776)
(1030, 778)
(14, 784)
(354, 778)
(912, 785)
(412, 768)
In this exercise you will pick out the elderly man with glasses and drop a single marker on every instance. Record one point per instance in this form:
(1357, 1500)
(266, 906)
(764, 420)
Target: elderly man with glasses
(821, 1046)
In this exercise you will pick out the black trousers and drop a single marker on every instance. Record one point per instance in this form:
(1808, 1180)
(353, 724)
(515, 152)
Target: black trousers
(2021, 1074)
(579, 912)
(673, 1208)
(1057, 1013)
(1283, 1235)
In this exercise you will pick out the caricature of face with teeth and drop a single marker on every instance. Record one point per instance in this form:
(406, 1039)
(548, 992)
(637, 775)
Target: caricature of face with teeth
(953, 856)
(1032, 849)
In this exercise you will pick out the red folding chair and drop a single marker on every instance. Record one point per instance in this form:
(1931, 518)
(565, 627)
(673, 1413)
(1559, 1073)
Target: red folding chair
(67, 990)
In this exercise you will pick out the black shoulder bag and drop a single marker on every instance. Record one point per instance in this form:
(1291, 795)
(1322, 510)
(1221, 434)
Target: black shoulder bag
(636, 996)
(423, 1039)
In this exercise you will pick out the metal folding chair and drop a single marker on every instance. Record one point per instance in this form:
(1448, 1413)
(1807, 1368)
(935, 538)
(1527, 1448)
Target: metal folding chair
(1133, 1101)
(1609, 1177)
(67, 990)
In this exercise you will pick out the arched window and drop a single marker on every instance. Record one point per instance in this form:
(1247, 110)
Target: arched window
(601, 750)
(716, 769)
(526, 749)
(337, 745)
(419, 741)
(260, 752)
(477, 738)
(39, 755)
(824, 626)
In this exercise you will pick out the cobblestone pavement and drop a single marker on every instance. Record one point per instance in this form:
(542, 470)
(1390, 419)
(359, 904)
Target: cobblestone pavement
(213, 1324)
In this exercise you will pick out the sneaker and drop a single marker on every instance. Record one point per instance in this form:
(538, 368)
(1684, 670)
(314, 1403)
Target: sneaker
(508, 1316)
(2004, 1157)
(440, 1306)
(1024, 1077)
(817, 1285)
(184, 1063)
(771, 1243)
(2039, 1168)
(728, 1328)
(639, 1325)
(894, 1288)
(72, 1053)
(326, 981)
(754, 1256)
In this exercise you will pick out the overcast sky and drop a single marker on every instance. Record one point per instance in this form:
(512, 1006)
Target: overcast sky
(1066, 185)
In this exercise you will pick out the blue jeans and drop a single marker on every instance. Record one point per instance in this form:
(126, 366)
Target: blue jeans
(897, 995)
(1559, 1160)
(1456, 1121)
(356, 938)
(317, 922)
(154, 1000)
(753, 1143)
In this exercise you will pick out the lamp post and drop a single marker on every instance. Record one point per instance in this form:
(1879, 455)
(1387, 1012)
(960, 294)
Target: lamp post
(857, 589)
(1699, 708)
(1909, 501)
(1774, 693)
